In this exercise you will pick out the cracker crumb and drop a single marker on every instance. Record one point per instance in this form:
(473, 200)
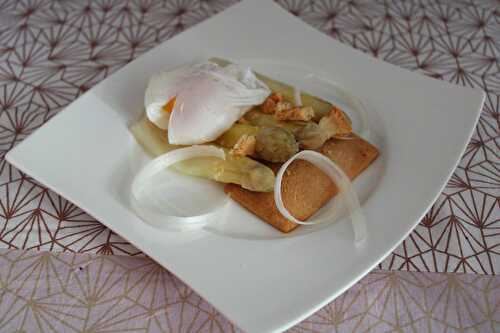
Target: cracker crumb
(271, 103)
(301, 113)
(244, 146)
(276, 97)
(336, 123)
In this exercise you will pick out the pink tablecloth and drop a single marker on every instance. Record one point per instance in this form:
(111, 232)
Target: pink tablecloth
(47, 292)
(51, 51)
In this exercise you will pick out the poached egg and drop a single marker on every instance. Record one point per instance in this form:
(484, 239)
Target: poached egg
(198, 103)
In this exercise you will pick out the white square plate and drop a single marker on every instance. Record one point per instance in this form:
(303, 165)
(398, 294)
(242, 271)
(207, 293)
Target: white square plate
(268, 282)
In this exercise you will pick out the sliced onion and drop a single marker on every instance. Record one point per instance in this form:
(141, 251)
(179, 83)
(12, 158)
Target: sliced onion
(158, 209)
(354, 102)
(346, 196)
(297, 96)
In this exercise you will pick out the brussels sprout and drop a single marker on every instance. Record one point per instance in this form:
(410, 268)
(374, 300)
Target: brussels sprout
(256, 118)
(275, 144)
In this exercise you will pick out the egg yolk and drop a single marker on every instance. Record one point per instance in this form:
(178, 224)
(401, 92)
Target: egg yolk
(169, 106)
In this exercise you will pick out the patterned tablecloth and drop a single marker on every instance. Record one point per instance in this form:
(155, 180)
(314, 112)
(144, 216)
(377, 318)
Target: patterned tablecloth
(52, 51)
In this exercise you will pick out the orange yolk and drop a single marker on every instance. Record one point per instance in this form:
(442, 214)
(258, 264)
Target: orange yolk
(169, 106)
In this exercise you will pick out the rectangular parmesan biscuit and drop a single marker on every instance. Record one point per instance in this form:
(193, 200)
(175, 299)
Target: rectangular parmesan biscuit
(305, 188)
